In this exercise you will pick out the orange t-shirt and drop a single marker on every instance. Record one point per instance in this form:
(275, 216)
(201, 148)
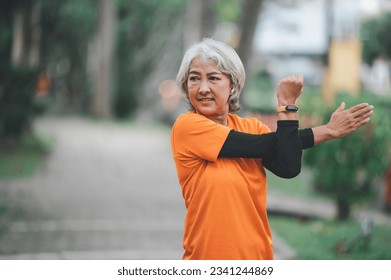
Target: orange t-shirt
(225, 197)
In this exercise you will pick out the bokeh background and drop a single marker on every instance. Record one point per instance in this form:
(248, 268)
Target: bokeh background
(88, 97)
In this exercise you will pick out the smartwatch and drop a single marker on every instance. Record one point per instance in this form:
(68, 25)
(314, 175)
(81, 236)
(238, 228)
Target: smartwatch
(287, 108)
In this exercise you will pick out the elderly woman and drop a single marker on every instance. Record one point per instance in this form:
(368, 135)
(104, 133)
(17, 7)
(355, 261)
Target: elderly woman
(221, 157)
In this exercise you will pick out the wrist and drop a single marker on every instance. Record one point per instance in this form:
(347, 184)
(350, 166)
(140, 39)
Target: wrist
(289, 108)
(287, 116)
(322, 133)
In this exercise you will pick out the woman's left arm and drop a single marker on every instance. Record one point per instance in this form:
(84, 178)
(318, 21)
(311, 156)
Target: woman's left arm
(280, 151)
(285, 161)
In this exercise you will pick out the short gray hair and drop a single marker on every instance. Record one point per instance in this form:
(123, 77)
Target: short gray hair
(226, 60)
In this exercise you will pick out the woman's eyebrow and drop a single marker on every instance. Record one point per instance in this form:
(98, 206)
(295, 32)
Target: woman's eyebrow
(208, 74)
(213, 73)
(194, 72)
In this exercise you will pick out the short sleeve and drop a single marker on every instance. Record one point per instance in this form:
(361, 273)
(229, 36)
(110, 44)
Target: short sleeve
(195, 136)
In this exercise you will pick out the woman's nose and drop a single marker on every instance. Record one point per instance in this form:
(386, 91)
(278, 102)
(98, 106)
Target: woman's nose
(204, 87)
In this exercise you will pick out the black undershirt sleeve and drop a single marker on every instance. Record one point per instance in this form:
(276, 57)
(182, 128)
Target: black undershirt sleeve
(280, 151)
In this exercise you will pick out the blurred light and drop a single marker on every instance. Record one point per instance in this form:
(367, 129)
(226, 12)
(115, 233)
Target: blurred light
(167, 88)
(370, 7)
(170, 95)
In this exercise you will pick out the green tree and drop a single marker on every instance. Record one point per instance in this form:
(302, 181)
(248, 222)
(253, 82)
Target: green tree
(375, 38)
(19, 52)
(68, 27)
(347, 168)
(144, 33)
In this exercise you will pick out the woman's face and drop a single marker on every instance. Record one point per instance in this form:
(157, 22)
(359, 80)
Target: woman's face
(209, 90)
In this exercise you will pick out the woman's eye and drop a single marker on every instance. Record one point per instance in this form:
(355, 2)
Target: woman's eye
(214, 78)
(193, 79)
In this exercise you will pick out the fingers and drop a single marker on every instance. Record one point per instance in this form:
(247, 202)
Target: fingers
(293, 82)
(298, 77)
(363, 110)
(289, 89)
(359, 107)
(341, 107)
(346, 121)
(295, 78)
(362, 114)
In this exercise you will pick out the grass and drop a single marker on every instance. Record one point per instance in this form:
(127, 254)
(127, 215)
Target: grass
(22, 158)
(323, 240)
(301, 185)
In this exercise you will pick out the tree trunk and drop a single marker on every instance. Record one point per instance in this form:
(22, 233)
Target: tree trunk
(208, 22)
(251, 10)
(193, 21)
(34, 55)
(250, 13)
(343, 209)
(18, 49)
(26, 42)
(101, 101)
(200, 21)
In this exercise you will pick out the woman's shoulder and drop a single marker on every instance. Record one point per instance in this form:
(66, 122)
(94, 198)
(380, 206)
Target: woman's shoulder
(243, 119)
(185, 118)
(191, 120)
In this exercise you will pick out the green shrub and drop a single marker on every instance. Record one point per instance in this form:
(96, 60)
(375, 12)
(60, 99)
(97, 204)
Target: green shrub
(347, 168)
(260, 95)
(23, 157)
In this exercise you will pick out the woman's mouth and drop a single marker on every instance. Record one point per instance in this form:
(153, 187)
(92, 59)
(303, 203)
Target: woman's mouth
(205, 99)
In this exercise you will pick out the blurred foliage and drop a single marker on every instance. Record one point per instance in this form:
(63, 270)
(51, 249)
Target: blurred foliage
(17, 90)
(375, 37)
(23, 157)
(319, 240)
(7, 9)
(347, 168)
(68, 31)
(229, 10)
(142, 31)
(68, 27)
(260, 95)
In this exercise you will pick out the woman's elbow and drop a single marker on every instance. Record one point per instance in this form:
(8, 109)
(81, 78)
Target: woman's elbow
(290, 173)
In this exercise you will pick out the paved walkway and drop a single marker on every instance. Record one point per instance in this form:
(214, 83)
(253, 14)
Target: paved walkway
(107, 191)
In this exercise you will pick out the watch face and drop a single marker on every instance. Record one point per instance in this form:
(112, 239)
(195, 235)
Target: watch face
(291, 108)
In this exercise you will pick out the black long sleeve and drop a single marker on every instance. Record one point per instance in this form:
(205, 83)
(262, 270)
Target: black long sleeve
(280, 151)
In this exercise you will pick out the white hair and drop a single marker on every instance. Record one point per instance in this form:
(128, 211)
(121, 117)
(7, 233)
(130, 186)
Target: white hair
(226, 60)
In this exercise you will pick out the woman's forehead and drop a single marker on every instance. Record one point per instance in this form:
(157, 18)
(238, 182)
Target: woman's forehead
(203, 64)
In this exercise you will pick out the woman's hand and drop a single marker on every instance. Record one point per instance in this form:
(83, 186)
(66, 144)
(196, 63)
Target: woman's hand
(289, 89)
(343, 122)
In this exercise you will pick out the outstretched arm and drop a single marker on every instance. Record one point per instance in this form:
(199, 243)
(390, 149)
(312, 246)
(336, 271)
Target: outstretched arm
(343, 122)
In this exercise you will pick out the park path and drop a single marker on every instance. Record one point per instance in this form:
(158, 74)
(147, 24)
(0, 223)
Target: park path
(107, 191)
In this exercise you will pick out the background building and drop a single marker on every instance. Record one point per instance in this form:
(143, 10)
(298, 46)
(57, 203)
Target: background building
(321, 40)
